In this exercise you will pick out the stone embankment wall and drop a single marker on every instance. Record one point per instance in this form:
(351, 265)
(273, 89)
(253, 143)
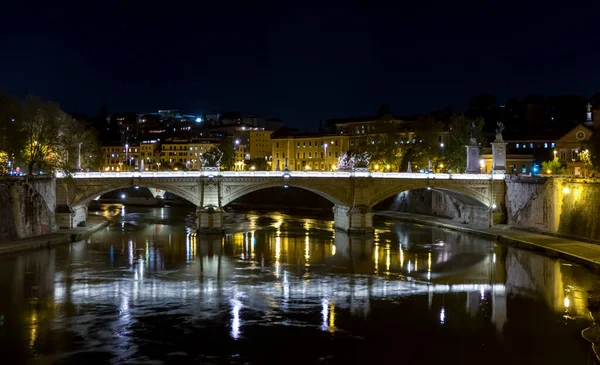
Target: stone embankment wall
(566, 206)
(28, 206)
(444, 204)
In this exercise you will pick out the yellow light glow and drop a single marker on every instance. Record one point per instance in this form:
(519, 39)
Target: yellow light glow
(481, 163)
(331, 318)
(441, 166)
(306, 251)
(252, 168)
(376, 259)
(333, 250)
(376, 167)
(416, 262)
(566, 190)
(548, 171)
(387, 167)
(567, 302)
(387, 258)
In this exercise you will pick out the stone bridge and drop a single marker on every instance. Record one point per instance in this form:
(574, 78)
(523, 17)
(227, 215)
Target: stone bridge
(353, 193)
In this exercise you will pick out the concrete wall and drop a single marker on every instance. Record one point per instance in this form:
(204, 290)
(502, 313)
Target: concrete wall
(438, 203)
(566, 206)
(28, 207)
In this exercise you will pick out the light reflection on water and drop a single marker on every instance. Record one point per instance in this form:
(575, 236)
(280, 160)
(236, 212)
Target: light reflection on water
(146, 289)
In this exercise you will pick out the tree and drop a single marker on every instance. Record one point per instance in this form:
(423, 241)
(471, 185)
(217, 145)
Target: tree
(43, 124)
(425, 146)
(459, 133)
(383, 146)
(553, 167)
(11, 140)
(258, 164)
(227, 146)
(594, 148)
(384, 111)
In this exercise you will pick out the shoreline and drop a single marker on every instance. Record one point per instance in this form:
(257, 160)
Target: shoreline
(62, 236)
(580, 252)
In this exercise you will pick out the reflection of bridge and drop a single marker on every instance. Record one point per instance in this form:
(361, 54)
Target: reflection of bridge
(353, 193)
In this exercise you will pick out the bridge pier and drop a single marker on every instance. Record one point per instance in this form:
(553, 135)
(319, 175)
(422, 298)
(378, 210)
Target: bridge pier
(354, 220)
(209, 219)
(71, 217)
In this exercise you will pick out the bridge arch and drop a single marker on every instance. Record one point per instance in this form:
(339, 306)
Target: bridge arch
(84, 193)
(336, 195)
(462, 191)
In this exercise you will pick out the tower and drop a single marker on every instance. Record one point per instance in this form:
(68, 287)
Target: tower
(588, 116)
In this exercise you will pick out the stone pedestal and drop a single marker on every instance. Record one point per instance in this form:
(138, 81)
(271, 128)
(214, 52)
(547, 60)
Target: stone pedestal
(209, 219)
(473, 159)
(499, 156)
(354, 220)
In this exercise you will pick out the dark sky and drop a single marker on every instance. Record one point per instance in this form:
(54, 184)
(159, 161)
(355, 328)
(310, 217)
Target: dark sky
(301, 61)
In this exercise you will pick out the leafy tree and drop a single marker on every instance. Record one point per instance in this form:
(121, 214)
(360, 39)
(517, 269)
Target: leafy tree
(594, 150)
(11, 140)
(426, 146)
(553, 167)
(227, 146)
(459, 135)
(383, 146)
(43, 124)
(258, 164)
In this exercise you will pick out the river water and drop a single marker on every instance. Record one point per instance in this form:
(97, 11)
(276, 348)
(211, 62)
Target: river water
(288, 289)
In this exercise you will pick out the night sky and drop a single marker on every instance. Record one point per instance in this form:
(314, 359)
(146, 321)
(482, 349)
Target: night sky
(299, 61)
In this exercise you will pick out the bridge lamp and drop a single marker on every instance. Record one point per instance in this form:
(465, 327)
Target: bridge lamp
(441, 145)
(237, 141)
(494, 206)
(122, 196)
(429, 188)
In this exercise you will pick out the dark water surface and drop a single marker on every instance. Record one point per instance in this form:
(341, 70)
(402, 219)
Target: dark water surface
(288, 289)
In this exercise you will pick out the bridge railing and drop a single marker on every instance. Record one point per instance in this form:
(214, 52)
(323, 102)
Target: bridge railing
(298, 174)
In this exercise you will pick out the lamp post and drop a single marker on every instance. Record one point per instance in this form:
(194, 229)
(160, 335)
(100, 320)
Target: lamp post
(126, 152)
(158, 166)
(79, 158)
(325, 156)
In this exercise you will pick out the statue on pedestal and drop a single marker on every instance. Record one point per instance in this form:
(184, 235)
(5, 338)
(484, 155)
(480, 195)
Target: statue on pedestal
(499, 132)
(211, 158)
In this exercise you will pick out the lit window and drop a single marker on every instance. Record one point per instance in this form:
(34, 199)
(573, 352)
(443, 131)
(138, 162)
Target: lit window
(517, 145)
(552, 145)
(531, 145)
(545, 145)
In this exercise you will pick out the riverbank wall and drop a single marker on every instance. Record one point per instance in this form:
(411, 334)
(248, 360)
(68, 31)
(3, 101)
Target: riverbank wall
(29, 206)
(568, 207)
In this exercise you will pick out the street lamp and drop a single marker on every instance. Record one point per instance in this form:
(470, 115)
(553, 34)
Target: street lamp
(325, 155)
(554, 153)
(79, 158)
(158, 166)
(126, 151)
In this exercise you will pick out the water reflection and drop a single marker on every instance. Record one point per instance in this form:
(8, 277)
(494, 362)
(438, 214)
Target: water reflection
(134, 284)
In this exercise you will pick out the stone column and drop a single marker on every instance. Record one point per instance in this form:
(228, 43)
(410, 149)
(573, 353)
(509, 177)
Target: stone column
(473, 158)
(499, 154)
(209, 215)
(357, 219)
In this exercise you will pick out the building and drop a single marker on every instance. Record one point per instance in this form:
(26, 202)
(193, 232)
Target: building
(569, 147)
(517, 164)
(259, 144)
(120, 157)
(308, 152)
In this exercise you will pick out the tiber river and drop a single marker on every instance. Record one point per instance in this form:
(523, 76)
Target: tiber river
(288, 289)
